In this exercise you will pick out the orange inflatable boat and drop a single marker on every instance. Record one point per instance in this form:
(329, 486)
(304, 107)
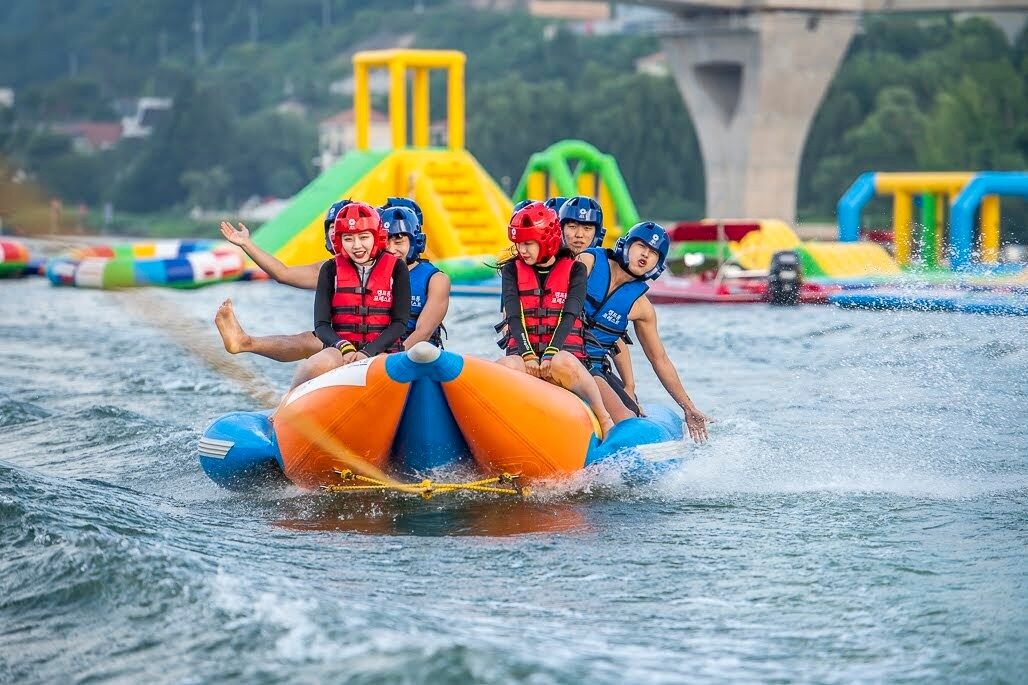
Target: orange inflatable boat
(411, 412)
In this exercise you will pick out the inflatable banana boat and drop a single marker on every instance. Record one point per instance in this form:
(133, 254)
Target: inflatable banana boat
(411, 412)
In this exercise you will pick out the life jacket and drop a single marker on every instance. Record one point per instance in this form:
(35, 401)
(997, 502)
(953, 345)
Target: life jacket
(420, 275)
(606, 313)
(542, 306)
(360, 312)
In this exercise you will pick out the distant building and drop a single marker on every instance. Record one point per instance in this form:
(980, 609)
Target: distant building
(294, 107)
(149, 112)
(91, 136)
(378, 83)
(653, 65)
(439, 133)
(577, 10)
(6, 98)
(499, 5)
(337, 135)
(262, 209)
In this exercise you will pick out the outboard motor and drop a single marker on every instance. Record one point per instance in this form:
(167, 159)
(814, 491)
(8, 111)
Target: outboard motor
(784, 279)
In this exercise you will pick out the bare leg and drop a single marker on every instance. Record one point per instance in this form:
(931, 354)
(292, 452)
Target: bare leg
(322, 362)
(513, 362)
(281, 348)
(618, 411)
(567, 372)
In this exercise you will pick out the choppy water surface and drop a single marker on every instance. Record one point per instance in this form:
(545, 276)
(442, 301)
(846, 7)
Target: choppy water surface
(859, 515)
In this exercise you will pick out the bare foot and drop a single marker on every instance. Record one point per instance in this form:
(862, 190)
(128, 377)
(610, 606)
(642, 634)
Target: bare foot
(232, 334)
(606, 425)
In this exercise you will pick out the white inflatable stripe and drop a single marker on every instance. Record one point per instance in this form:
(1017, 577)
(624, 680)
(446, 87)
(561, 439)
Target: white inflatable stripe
(355, 374)
(215, 449)
(90, 272)
(166, 249)
(205, 266)
(230, 263)
(65, 271)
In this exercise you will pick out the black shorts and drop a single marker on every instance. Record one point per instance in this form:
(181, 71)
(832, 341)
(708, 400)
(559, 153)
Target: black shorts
(617, 386)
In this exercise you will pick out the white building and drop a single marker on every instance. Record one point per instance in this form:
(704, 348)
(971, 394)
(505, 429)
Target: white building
(337, 135)
(149, 112)
(653, 65)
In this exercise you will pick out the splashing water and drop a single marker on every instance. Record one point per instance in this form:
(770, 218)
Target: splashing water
(858, 515)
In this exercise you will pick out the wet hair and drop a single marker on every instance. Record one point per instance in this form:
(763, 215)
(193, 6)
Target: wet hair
(500, 263)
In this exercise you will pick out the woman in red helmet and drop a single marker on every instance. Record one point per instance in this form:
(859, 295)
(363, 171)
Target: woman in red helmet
(543, 290)
(362, 301)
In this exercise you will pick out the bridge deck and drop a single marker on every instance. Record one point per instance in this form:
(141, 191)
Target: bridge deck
(839, 5)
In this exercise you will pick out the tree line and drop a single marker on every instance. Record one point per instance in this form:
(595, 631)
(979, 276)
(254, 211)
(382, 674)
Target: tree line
(913, 92)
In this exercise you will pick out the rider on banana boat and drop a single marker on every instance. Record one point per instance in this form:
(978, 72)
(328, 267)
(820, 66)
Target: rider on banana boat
(362, 302)
(543, 291)
(430, 292)
(616, 295)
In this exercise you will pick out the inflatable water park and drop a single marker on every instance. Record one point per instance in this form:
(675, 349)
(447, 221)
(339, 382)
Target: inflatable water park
(944, 259)
(408, 413)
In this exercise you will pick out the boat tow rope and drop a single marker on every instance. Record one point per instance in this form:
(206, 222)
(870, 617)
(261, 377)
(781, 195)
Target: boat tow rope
(504, 484)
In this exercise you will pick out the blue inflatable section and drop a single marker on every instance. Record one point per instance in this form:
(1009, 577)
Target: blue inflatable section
(239, 450)
(851, 204)
(428, 436)
(965, 205)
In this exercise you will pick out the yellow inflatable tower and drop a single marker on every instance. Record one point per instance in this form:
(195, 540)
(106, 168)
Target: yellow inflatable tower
(465, 210)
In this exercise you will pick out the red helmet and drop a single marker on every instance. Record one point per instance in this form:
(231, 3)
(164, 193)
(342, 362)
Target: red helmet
(355, 218)
(536, 222)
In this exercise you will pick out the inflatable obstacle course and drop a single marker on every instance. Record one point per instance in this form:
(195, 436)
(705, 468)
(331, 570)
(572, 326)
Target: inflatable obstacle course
(463, 206)
(752, 244)
(960, 194)
(550, 174)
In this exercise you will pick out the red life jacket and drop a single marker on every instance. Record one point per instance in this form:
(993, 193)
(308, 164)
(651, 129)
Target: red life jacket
(541, 307)
(361, 312)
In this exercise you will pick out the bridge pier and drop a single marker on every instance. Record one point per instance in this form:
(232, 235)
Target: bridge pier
(752, 82)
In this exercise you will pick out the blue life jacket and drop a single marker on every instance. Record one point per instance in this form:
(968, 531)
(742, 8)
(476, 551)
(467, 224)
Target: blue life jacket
(420, 275)
(606, 315)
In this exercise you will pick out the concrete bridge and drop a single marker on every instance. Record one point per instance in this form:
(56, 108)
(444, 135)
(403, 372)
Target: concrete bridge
(753, 73)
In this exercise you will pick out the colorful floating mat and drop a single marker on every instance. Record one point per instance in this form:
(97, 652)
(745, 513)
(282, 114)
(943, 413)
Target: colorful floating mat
(14, 259)
(173, 263)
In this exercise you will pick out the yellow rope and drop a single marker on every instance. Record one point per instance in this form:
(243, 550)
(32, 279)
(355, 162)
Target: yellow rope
(426, 489)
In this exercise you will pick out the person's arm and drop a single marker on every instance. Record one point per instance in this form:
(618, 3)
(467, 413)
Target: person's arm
(305, 276)
(623, 364)
(644, 319)
(512, 307)
(323, 307)
(399, 313)
(434, 311)
(573, 305)
(586, 260)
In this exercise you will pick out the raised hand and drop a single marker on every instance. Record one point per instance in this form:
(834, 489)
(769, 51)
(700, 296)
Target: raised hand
(237, 236)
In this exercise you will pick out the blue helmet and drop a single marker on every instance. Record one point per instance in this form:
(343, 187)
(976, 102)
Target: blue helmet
(330, 220)
(403, 221)
(584, 210)
(404, 202)
(555, 203)
(518, 206)
(654, 236)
